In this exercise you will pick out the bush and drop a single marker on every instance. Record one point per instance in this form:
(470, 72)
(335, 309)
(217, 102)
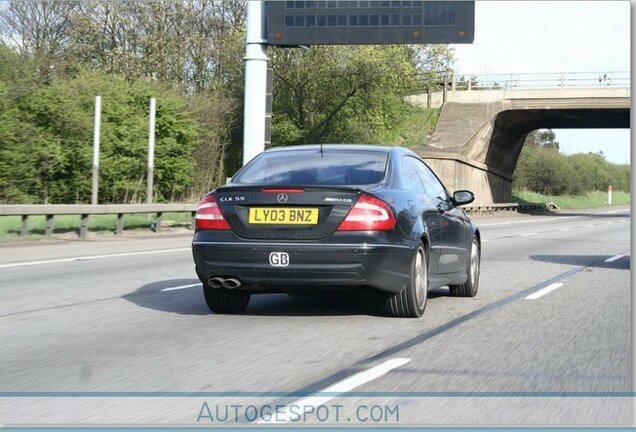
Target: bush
(46, 135)
(546, 171)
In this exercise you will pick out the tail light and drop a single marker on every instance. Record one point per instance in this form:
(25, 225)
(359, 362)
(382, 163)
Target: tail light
(369, 214)
(209, 216)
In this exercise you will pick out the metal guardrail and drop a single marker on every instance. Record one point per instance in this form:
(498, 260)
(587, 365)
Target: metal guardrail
(85, 210)
(52, 210)
(500, 207)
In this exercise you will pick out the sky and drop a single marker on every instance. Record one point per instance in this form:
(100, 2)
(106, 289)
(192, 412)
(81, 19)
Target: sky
(554, 36)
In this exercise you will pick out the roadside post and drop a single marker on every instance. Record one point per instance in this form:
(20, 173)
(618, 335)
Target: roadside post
(96, 133)
(609, 195)
(151, 152)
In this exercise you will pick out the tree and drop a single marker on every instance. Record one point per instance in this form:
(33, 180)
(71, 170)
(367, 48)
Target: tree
(545, 138)
(434, 64)
(463, 82)
(338, 94)
(191, 53)
(545, 171)
(214, 112)
(38, 29)
(542, 169)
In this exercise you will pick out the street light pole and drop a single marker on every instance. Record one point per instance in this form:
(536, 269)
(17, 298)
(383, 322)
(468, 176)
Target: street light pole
(255, 81)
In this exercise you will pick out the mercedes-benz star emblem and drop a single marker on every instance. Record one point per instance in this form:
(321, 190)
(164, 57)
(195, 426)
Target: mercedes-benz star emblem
(282, 198)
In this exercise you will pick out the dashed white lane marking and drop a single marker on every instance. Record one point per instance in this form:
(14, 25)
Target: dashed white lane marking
(544, 291)
(311, 402)
(528, 234)
(92, 257)
(589, 226)
(614, 258)
(485, 240)
(181, 287)
(566, 229)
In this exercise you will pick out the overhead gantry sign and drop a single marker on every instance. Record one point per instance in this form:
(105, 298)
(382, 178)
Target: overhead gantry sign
(294, 23)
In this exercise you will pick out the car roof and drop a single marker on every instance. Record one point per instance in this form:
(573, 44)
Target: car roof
(364, 147)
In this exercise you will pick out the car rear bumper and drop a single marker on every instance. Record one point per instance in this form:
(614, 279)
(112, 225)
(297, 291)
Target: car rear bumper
(311, 265)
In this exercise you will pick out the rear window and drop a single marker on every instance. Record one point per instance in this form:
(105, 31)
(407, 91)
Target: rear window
(311, 167)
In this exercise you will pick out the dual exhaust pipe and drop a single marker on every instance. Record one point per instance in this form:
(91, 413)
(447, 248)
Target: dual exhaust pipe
(230, 283)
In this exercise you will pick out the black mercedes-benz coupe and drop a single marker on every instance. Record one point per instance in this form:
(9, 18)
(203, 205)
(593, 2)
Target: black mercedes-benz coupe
(335, 217)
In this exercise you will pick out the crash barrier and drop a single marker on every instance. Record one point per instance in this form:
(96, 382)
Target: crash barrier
(52, 210)
(85, 211)
(501, 207)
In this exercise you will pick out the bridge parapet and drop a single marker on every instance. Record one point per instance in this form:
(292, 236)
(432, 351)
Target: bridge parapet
(493, 87)
(494, 95)
(547, 80)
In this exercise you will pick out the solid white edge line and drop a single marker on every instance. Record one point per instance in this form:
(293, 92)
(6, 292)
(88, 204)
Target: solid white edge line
(92, 257)
(181, 287)
(528, 234)
(544, 291)
(283, 416)
(555, 218)
(614, 258)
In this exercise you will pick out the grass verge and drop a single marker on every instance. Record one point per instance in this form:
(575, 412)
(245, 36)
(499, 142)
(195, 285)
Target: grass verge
(415, 125)
(589, 200)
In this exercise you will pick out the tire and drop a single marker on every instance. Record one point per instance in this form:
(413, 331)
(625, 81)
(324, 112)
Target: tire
(469, 288)
(411, 301)
(225, 301)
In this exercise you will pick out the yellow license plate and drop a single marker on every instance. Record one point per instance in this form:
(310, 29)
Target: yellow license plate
(283, 216)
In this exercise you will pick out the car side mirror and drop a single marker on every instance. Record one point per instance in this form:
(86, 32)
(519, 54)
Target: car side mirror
(463, 197)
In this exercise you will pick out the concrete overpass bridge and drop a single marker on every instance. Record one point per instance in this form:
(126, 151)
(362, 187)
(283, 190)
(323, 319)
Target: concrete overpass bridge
(480, 132)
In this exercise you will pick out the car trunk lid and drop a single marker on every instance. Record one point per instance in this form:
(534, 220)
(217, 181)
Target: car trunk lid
(286, 212)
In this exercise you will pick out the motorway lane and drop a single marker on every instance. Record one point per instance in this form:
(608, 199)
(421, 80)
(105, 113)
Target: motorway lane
(105, 325)
(571, 339)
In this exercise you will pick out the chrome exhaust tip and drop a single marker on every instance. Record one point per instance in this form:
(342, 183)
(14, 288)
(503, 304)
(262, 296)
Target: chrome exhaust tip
(231, 283)
(215, 282)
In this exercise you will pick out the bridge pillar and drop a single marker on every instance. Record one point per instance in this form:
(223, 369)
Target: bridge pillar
(459, 172)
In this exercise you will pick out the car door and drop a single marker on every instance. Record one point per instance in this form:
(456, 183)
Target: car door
(453, 252)
(412, 181)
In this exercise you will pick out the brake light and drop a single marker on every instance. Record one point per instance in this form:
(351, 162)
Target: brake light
(288, 190)
(209, 216)
(369, 214)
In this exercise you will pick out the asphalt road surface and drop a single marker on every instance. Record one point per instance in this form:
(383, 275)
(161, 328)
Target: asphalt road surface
(117, 332)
